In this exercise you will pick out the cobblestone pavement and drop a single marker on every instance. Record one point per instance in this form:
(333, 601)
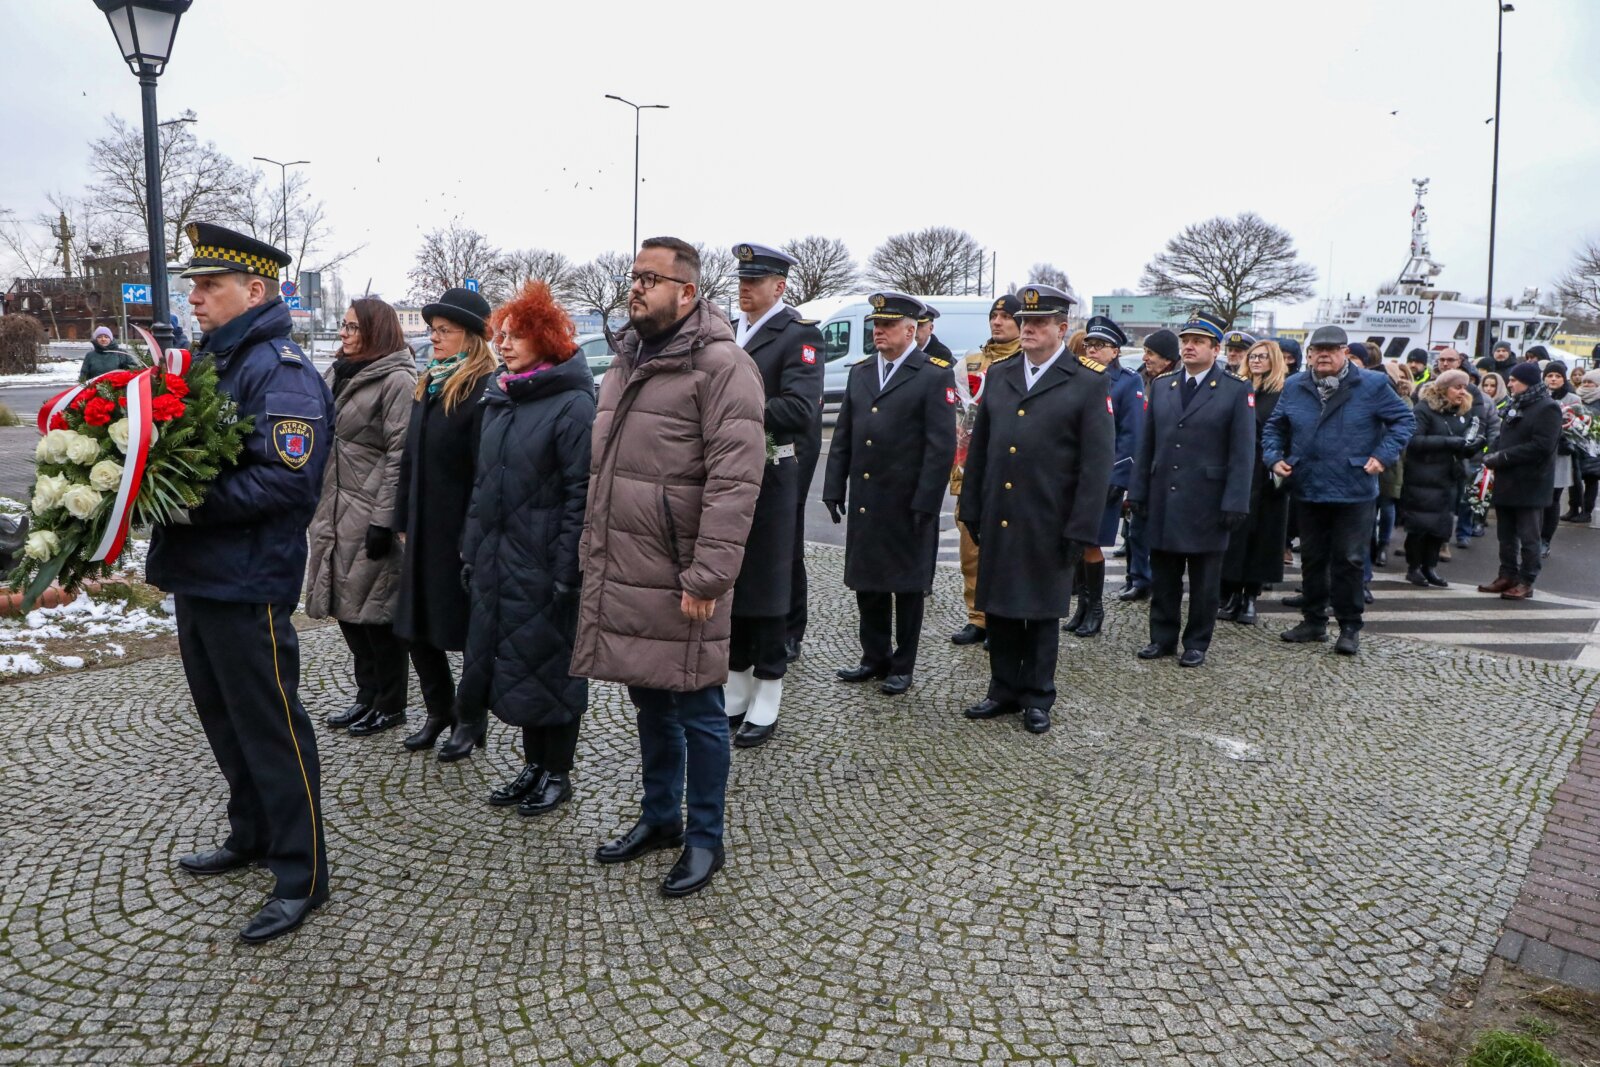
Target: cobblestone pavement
(1283, 857)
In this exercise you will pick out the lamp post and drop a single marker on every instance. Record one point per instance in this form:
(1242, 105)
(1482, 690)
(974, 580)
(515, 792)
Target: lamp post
(1494, 179)
(145, 30)
(636, 109)
(283, 175)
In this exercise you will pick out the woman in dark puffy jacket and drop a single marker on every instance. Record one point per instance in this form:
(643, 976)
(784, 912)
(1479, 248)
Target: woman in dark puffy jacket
(1447, 432)
(521, 546)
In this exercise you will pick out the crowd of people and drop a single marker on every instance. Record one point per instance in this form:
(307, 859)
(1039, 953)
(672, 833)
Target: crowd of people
(648, 532)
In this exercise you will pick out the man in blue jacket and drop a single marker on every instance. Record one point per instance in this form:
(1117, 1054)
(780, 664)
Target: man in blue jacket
(235, 565)
(1335, 429)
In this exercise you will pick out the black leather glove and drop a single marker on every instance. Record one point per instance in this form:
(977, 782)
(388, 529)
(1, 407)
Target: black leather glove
(1469, 445)
(1114, 495)
(835, 509)
(1138, 508)
(1234, 520)
(380, 540)
(1492, 460)
(466, 577)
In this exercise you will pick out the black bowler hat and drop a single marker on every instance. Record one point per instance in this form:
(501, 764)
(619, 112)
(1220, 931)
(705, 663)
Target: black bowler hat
(465, 308)
(1102, 327)
(888, 306)
(759, 261)
(1008, 303)
(929, 313)
(219, 250)
(1040, 300)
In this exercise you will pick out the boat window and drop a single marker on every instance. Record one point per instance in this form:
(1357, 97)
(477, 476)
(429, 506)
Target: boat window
(1461, 330)
(835, 341)
(1548, 331)
(1512, 330)
(1397, 348)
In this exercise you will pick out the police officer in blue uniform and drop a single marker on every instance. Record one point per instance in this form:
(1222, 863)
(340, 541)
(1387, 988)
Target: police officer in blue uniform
(787, 351)
(235, 565)
(1191, 478)
(888, 464)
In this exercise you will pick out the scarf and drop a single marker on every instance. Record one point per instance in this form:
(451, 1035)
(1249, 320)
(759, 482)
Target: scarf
(1589, 392)
(1521, 400)
(1326, 387)
(440, 370)
(507, 379)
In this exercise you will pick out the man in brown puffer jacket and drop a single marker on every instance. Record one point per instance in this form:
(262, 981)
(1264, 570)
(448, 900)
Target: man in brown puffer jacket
(679, 449)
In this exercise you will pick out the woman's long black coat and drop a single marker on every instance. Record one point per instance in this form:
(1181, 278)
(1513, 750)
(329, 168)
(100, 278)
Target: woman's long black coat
(1434, 471)
(522, 540)
(431, 508)
(1255, 552)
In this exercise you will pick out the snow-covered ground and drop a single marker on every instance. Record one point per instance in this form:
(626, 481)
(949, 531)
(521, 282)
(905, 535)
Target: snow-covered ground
(56, 372)
(25, 643)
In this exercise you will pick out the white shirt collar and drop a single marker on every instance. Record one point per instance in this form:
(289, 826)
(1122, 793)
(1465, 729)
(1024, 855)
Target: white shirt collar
(887, 366)
(1034, 373)
(1187, 377)
(746, 329)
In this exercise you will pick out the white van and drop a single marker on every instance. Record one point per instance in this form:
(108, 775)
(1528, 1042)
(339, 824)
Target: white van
(963, 325)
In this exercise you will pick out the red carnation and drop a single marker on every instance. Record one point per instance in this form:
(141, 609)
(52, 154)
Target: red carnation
(177, 386)
(58, 421)
(118, 378)
(166, 407)
(98, 411)
(80, 400)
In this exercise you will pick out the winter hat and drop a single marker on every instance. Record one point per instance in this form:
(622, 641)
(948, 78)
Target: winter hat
(463, 307)
(1417, 355)
(1291, 353)
(1526, 373)
(1538, 352)
(103, 331)
(1163, 343)
(1592, 378)
(1358, 352)
(1555, 366)
(1451, 377)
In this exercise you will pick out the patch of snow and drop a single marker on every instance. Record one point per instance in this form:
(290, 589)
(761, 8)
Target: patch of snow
(1231, 747)
(64, 372)
(20, 663)
(83, 617)
(70, 662)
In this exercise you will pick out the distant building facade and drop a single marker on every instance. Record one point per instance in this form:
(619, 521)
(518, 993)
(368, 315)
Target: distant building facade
(1143, 314)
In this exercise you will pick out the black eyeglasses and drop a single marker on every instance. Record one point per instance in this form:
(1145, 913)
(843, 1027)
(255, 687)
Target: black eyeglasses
(649, 278)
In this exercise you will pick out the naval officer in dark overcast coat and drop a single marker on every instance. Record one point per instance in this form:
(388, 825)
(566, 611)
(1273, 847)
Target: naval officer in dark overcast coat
(888, 462)
(787, 350)
(1191, 476)
(1037, 475)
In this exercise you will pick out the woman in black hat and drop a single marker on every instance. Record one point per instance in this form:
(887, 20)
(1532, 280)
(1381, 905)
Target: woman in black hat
(435, 488)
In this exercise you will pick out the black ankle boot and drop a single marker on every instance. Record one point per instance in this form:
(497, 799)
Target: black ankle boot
(1247, 610)
(465, 737)
(1229, 611)
(1079, 590)
(424, 738)
(1094, 588)
(553, 789)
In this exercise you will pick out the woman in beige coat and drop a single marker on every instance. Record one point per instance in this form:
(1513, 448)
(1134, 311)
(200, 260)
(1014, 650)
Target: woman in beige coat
(354, 570)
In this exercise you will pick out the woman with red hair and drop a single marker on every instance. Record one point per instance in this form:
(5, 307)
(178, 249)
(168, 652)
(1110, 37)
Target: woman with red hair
(521, 546)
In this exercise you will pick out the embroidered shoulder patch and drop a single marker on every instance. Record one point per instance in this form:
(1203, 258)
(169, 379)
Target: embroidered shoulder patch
(294, 440)
(808, 354)
(938, 361)
(949, 396)
(1094, 365)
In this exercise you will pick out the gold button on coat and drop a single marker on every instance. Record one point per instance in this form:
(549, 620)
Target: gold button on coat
(1003, 523)
(1021, 411)
(1008, 485)
(1013, 449)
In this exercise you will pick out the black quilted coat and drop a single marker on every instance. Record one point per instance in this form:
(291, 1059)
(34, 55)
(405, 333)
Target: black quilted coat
(521, 541)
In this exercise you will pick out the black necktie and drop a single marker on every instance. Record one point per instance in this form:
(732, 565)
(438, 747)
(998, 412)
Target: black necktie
(1191, 388)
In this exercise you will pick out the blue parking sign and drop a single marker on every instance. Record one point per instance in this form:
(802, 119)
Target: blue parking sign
(472, 284)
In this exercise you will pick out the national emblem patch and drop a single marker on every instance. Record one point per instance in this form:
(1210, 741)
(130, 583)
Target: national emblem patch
(1250, 400)
(808, 354)
(949, 395)
(294, 441)
(1109, 408)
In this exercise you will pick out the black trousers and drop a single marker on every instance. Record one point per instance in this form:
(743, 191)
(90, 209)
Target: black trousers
(1518, 531)
(1022, 660)
(438, 685)
(798, 585)
(1166, 597)
(243, 666)
(1591, 488)
(380, 666)
(1552, 514)
(891, 626)
(551, 747)
(1422, 550)
(1334, 539)
(757, 642)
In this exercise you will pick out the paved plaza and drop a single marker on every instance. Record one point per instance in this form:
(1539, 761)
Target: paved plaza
(1284, 857)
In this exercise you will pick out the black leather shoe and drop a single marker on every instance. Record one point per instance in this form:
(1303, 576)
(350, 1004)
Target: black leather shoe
(1192, 657)
(1296, 601)
(1154, 651)
(1247, 611)
(639, 841)
(1431, 576)
(970, 634)
(424, 738)
(1366, 594)
(1035, 720)
(895, 684)
(1229, 611)
(692, 872)
(553, 789)
(376, 722)
(340, 719)
(751, 736)
(862, 673)
(1305, 632)
(1349, 642)
(463, 739)
(279, 915)
(503, 796)
(217, 861)
(1415, 576)
(1133, 594)
(791, 650)
(991, 709)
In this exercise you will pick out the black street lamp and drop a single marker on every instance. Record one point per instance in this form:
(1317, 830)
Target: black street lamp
(1494, 179)
(636, 109)
(145, 30)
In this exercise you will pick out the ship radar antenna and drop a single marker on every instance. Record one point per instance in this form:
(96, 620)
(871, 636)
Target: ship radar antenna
(1420, 269)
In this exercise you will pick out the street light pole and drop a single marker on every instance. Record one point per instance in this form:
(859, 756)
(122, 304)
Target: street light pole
(160, 297)
(283, 176)
(636, 109)
(1494, 179)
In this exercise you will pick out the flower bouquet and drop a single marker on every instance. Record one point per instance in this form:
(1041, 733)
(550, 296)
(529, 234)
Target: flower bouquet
(969, 391)
(1581, 429)
(130, 448)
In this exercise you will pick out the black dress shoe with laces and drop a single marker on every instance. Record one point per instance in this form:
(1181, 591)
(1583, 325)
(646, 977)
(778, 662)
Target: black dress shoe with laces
(970, 634)
(279, 915)
(1192, 657)
(693, 871)
(376, 722)
(1035, 720)
(503, 796)
(1349, 642)
(1154, 651)
(991, 709)
(1131, 594)
(752, 736)
(639, 841)
(340, 719)
(217, 861)
(861, 673)
(895, 684)
(553, 789)
(1304, 632)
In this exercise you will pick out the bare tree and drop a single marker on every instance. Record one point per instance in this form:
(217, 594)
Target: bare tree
(536, 264)
(718, 283)
(259, 213)
(1223, 264)
(450, 256)
(29, 248)
(1049, 274)
(601, 285)
(825, 269)
(1579, 288)
(930, 262)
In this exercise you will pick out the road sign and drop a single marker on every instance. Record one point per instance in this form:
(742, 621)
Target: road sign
(135, 294)
(472, 284)
(293, 302)
(290, 290)
(311, 287)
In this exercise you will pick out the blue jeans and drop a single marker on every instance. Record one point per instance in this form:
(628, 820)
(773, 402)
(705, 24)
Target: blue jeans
(1386, 509)
(1138, 553)
(681, 732)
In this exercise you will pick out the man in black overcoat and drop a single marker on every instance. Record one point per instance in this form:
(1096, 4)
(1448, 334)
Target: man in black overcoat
(786, 350)
(888, 463)
(926, 340)
(1192, 481)
(1037, 475)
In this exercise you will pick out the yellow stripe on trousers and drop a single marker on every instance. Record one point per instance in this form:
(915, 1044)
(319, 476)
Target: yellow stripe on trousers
(288, 717)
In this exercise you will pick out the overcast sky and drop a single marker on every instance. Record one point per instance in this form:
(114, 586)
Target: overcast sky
(1084, 134)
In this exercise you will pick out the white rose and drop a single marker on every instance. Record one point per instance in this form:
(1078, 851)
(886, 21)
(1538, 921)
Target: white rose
(106, 475)
(42, 544)
(48, 491)
(41, 451)
(82, 450)
(80, 501)
(119, 434)
(55, 445)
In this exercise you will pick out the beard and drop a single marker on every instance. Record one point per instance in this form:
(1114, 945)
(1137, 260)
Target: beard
(649, 323)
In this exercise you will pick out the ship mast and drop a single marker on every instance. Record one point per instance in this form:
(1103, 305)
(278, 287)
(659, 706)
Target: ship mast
(1420, 269)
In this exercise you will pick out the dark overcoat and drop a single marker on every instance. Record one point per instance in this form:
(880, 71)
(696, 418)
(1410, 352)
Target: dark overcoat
(521, 539)
(1524, 460)
(1435, 470)
(1194, 464)
(888, 463)
(1038, 470)
(436, 472)
(1255, 553)
(787, 353)
(1127, 403)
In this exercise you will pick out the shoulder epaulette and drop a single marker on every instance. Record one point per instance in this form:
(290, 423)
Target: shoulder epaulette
(1170, 373)
(808, 322)
(939, 361)
(1236, 377)
(289, 352)
(1094, 365)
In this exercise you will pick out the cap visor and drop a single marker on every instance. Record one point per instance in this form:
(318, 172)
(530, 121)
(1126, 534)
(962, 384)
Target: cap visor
(194, 272)
(886, 316)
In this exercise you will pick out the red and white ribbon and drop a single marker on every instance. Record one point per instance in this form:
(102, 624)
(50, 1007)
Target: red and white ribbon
(140, 434)
(173, 360)
(57, 404)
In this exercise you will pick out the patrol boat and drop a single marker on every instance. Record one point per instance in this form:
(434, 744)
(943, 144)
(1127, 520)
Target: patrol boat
(1416, 314)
